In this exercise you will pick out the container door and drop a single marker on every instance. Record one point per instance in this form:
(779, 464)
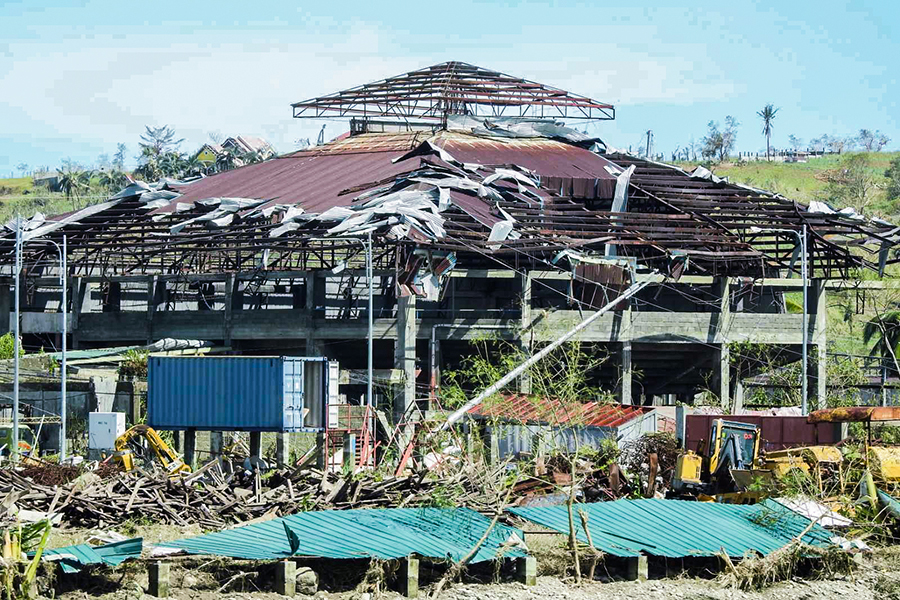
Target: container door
(315, 395)
(293, 394)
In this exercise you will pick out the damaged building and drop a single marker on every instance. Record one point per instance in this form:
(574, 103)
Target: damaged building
(487, 211)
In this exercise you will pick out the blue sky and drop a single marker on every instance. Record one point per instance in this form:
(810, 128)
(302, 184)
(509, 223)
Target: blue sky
(79, 79)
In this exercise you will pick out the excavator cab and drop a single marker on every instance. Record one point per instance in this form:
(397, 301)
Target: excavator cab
(728, 457)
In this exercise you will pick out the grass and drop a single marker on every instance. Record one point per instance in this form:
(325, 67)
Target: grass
(16, 186)
(804, 181)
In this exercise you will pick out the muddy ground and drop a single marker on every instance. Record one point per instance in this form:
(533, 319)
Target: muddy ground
(205, 579)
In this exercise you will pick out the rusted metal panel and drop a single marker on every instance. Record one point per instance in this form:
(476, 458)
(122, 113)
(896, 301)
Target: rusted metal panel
(525, 409)
(777, 432)
(847, 414)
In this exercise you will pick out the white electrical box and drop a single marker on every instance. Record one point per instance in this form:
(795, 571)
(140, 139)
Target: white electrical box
(103, 429)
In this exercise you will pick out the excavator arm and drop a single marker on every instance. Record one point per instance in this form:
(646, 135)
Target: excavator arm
(164, 454)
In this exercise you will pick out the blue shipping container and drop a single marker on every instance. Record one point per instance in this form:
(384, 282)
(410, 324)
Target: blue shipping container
(232, 393)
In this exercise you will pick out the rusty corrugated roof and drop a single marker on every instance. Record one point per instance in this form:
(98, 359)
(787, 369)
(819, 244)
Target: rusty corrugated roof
(529, 409)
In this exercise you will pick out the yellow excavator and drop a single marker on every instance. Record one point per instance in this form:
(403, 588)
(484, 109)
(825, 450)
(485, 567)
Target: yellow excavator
(129, 444)
(732, 460)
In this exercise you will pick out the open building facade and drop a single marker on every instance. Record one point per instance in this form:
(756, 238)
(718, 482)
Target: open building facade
(489, 214)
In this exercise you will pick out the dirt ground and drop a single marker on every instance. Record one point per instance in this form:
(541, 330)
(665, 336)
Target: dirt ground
(877, 579)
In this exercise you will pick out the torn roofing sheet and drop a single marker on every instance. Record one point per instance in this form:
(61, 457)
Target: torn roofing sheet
(439, 533)
(681, 528)
(73, 558)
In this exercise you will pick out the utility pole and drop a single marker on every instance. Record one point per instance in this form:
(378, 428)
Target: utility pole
(649, 136)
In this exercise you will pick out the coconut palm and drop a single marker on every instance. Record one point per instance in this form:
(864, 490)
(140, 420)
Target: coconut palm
(72, 182)
(884, 329)
(767, 114)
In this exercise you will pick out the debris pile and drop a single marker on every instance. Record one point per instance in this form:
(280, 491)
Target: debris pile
(214, 498)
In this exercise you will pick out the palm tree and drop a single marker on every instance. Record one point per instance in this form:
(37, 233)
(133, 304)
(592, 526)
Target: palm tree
(767, 114)
(885, 330)
(72, 182)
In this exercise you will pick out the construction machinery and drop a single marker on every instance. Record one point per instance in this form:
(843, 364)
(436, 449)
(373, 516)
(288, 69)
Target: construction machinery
(27, 441)
(882, 461)
(731, 461)
(144, 442)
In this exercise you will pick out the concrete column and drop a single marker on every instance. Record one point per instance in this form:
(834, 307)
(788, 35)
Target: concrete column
(5, 308)
(491, 442)
(626, 372)
(320, 451)
(738, 400)
(190, 448)
(286, 578)
(405, 356)
(230, 285)
(176, 441)
(409, 577)
(152, 282)
(255, 444)
(526, 570)
(525, 333)
(158, 574)
(637, 568)
(816, 373)
(216, 443)
(282, 449)
(723, 376)
(81, 303)
(313, 347)
(349, 453)
(681, 412)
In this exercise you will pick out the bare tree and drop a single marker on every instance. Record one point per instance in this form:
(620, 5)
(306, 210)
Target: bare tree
(795, 142)
(872, 141)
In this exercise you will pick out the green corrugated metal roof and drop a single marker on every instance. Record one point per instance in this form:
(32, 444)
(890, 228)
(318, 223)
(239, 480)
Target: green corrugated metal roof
(680, 528)
(361, 533)
(73, 558)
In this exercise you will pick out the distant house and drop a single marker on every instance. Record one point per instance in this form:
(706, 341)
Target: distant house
(47, 179)
(209, 154)
(245, 144)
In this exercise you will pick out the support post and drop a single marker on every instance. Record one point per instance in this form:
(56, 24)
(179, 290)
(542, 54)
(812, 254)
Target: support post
(738, 400)
(190, 448)
(626, 393)
(5, 308)
(526, 570)
(152, 283)
(723, 376)
(817, 379)
(230, 282)
(158, 579)
(255, 444)
(405, 356)
(216, 443)
(409, 577)
(349, 453)
(282, 449)
(286, 578)
(313, 347)
(681, 424)
(637, 568)
(525, 333)
(321, 460)
(176, 441)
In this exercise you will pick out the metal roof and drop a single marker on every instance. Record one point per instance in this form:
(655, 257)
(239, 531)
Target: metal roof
(73, 558)
(440, 533)
(528, 409)
(453, 88)
(681, 528)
